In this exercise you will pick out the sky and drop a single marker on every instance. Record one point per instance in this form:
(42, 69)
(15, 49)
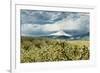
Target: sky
(42, 23)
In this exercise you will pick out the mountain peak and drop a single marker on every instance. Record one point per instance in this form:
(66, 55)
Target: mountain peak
(61, 33)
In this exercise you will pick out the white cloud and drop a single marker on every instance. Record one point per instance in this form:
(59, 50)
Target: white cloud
(69, 25)
(50, 27)
(61, 25)
(54, 16)
(26, 28)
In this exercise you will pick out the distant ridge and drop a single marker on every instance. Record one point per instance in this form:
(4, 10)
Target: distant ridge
(63, 35)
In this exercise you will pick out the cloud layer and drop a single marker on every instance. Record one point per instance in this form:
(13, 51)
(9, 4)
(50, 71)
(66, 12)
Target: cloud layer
(38, 23)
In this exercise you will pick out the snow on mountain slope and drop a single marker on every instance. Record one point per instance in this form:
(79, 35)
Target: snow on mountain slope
(61, 33)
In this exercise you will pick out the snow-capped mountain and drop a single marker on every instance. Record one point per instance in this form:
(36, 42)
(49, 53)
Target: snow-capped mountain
(60, 33)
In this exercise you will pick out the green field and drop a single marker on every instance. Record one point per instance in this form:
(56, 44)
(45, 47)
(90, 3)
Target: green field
(44, 50)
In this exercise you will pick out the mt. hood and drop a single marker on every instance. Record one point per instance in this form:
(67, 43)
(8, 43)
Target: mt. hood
(60, 33)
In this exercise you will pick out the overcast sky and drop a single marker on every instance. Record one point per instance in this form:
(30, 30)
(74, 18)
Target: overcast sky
(37, 22)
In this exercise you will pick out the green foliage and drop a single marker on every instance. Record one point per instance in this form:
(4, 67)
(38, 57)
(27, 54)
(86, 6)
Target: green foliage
(43, 49)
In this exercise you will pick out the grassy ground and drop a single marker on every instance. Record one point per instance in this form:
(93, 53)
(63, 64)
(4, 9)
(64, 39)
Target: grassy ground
(42, 50)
